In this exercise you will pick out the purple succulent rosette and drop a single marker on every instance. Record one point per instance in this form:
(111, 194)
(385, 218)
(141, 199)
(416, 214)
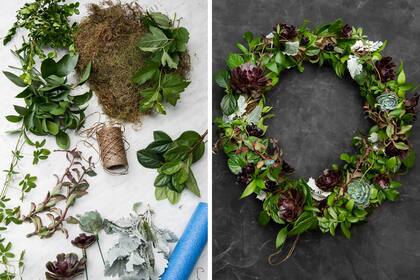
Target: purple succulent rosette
(342, 195)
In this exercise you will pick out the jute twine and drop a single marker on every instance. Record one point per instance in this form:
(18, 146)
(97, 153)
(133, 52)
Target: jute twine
(112, 148)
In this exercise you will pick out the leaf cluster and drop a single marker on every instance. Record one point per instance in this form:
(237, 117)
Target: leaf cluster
(173, 160)
(166, 43)
(50, 109)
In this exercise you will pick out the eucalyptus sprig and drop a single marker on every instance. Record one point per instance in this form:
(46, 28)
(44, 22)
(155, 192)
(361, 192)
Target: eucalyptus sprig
(173, 160)
(166, 42)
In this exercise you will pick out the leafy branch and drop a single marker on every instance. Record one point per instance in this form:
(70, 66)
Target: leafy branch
(173, 160)
(166, 43)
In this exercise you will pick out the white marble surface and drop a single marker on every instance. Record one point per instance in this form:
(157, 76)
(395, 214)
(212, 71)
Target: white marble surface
(113, 196)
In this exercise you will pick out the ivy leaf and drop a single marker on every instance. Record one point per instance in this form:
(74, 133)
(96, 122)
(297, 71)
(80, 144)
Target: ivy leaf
(149, 159)
(228, 104)
(146, 73)
(281, 237)
(153, 40)
(150, 97)
(181, 36)
(167, 60)
(172, 85)
(161, 20)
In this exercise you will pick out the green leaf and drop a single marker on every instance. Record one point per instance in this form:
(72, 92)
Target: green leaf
(146, 73)
(86, 74)
(198, 152)
(234, 60)
(172, 85)
(161, 20)
(228, 104)
(15, 79)
(149, 159)
(401, 146)
(263, 218)
(222, 78)
(162, 180)
(173, 196)
(391, 194)
(20, 110)
(161, 136)
(192, 185)
(401, 76)
(62, 139)
(177, 153)
(160, 193)
(66, 65)
(170, 168)
(153, 41)
(350, 205)
(281, 237)
(167, 60)
(390, 131)
(250, 189)
(182, 175)
(235, 164)
(345, 230)
(14, 119)
(391, 163)
(53, 128)
(83, 98)
(159, 147)
(410, 159)
(181, 36)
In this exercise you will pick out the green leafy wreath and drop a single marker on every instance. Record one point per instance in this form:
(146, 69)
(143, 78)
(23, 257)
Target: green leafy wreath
(344, 194)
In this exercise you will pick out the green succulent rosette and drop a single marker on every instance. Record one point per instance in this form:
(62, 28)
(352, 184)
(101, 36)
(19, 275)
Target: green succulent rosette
(91, 222)
(359, 190)
(387, 101)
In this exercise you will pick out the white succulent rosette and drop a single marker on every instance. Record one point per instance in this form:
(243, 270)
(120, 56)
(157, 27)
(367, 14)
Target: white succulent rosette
(316, 192)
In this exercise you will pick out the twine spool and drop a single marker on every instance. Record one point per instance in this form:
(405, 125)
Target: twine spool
(111, 148)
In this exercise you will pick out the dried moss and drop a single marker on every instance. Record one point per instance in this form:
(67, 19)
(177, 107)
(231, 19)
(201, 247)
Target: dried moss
(108, 37)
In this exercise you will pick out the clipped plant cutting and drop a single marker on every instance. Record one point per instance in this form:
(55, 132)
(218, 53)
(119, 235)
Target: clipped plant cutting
(142, 59)
(142, 250)
(173, 160)
(50, 108)
(70, 186)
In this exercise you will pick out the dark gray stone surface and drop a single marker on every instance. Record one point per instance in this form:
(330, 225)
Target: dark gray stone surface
(316, 116)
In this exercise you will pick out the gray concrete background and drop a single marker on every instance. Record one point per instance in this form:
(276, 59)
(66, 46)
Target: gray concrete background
(316, 115)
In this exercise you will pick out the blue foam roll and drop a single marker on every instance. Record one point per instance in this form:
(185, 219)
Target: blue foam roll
(189, 247)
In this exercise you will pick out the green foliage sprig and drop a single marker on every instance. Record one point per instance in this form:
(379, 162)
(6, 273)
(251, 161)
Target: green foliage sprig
(50, 108)
(173, 160)
(344, 194)
(166, 43)
(47, 24)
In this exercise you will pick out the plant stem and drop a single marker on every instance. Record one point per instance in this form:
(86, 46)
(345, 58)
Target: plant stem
(85, 256)
(99, 247)
(15, 160)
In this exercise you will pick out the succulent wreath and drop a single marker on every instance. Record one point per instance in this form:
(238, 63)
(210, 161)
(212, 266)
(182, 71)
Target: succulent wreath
(345, 193)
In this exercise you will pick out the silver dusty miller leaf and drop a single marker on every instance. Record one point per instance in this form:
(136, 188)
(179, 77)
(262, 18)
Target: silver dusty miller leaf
(142, 250)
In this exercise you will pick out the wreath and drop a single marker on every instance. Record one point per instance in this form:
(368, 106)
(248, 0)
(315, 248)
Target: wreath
(345, 193)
